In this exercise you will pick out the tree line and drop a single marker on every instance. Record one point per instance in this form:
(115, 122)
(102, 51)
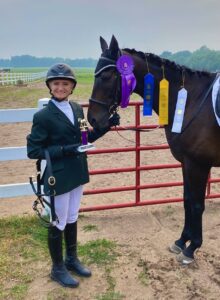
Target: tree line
(201, 59)
(26, 61)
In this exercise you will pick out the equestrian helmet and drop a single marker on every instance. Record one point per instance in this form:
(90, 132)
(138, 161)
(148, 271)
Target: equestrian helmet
(60, 71)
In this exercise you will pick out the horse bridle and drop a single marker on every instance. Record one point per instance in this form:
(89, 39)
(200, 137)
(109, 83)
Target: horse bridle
(112, 108)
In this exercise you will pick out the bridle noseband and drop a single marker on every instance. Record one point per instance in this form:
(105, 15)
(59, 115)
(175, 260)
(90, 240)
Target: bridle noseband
(112, 109)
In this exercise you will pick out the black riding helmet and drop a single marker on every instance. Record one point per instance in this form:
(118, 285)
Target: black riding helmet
(60, 71)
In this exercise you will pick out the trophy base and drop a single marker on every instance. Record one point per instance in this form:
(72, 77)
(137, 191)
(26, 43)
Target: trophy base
(84, 148)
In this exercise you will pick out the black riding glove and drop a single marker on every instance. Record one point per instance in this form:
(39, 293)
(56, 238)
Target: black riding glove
(70, 150)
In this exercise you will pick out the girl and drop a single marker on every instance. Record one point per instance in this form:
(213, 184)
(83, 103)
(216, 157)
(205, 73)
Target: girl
(57, 129)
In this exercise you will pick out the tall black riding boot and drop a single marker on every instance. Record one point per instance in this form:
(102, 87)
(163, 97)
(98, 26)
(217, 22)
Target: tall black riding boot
(72, 262)
(59, 272)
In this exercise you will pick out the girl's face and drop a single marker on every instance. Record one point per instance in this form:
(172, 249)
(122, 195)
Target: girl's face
(61, 88)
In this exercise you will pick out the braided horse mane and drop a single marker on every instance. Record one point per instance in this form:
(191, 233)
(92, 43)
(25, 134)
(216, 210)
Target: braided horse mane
(159, 61)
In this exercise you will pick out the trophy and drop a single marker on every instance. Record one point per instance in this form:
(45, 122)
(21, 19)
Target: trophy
(84, 137)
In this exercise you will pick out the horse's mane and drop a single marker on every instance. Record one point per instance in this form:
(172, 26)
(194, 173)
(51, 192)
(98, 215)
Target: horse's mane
(159, 61)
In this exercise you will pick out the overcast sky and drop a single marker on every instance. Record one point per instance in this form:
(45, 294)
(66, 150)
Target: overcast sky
(71, 28)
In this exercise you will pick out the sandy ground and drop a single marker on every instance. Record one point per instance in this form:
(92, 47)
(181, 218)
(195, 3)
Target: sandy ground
(145, 268)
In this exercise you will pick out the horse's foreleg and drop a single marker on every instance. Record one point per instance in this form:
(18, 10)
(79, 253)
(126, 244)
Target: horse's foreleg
(195, 178)
(186, 233)
(180, 244)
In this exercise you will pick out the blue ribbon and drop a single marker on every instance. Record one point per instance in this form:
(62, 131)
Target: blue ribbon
(148, 94)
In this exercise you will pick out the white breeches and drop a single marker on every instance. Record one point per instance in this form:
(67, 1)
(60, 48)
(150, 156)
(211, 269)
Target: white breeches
(67, 207)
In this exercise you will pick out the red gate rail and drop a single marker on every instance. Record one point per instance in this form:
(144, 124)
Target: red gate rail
(137, 187)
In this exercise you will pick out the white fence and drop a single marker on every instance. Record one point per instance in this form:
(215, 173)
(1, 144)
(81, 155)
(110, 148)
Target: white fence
(7, 78)
(17, 153)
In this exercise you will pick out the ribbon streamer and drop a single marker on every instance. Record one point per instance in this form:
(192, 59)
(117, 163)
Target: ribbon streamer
(128, 85)
(125, 66)
(180, 110)
(148, 94)
(163, 102)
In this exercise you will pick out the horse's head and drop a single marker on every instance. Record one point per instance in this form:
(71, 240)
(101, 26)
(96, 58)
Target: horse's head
(106, 94)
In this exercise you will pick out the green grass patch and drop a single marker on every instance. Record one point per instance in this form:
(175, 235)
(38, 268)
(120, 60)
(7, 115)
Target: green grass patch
(83, 216)
(143, 276)
(90, 227)
(111, 296)
(17, 292)
(84, 75)
(103, 253)
(110, 293)
(59, 293)
(100, 252)
(110, 280)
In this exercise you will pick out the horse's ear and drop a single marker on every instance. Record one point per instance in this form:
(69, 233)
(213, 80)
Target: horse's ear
(113, 47)
(103, 44)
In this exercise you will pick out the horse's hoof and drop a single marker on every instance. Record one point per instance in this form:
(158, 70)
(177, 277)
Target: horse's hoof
(184, 260)
(175, 249)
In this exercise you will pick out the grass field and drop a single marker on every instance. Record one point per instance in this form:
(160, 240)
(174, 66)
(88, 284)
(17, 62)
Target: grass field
(42, 69)
(27, 96)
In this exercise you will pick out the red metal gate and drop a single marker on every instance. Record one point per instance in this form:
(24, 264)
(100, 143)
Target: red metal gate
(137, 187)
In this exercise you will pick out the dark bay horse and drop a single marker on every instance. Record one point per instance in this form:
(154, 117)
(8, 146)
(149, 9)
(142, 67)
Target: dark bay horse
(197, 147)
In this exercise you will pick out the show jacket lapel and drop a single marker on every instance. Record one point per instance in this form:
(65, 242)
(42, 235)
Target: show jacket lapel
(59, 114)
(76, 121)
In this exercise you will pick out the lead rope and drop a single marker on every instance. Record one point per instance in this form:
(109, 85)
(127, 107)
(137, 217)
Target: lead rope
(142, 130)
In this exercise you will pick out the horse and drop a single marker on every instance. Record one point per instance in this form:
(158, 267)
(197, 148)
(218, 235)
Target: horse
(196, 147)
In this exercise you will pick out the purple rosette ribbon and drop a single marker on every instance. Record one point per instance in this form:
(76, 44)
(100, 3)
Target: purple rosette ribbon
(125, 67)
